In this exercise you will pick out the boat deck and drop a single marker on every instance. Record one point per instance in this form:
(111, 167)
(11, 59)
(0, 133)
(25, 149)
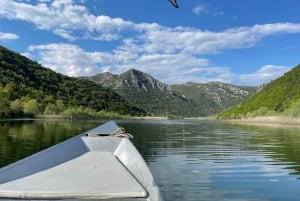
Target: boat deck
(96, 175)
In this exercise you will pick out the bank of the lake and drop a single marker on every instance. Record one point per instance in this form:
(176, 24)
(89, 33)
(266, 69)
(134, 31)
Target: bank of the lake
(268, 120)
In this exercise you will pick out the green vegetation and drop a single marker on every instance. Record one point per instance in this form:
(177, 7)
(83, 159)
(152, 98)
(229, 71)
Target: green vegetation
(213, 97)
(29, 89)
(280, 97)
(182, 100)
(160, 103)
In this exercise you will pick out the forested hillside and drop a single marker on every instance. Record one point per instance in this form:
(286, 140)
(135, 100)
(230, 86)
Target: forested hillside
(148, 93)
(27, 88)
(279, 97)
(183, 100)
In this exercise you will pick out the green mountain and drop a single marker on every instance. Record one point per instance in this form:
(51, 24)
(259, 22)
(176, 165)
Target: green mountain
(279, 97)
(148, 93)
(214, 97)
(28, 87)
(190, 99)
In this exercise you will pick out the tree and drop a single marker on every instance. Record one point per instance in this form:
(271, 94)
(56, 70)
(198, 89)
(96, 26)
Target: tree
(32, 107)
(4, 103)
(60, 106)
(51, 109)
(16, 107)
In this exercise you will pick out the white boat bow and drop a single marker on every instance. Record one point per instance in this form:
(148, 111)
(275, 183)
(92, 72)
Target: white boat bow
(91, 166)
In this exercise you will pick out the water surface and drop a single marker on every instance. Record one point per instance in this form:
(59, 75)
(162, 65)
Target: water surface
(190, 160)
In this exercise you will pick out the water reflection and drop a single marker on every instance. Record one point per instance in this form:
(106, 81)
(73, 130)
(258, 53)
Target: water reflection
(190, 160)
(19, 139)
(213, 161)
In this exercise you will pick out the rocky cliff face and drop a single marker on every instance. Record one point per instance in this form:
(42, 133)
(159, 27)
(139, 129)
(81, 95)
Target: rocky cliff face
(214, 96)
(224, 94)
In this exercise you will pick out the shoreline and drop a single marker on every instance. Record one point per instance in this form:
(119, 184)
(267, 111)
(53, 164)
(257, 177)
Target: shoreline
(150, 118)
(61, 117)
(268, 120)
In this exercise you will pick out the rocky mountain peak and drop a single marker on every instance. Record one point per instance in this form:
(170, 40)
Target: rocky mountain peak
(141, 81)
(133, 79)
(106, 76)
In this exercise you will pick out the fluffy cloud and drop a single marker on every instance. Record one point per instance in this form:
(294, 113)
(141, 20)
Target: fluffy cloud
(71, 19)
(263, 75)
(195, 41)
(8, 36)
(64, 18)
(71, 60)
(169, 68)
(74, 61)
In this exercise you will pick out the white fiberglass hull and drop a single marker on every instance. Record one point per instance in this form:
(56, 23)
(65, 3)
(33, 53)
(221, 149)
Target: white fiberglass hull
(90, 166)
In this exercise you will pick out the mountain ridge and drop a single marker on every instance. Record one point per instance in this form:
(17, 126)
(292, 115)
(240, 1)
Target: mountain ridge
(146, 92)
(135, 85)
(131, 78)
(214, 96)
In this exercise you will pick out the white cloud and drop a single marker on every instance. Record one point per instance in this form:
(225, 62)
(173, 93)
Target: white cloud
(71, 60)
(72, 20)
(64, 18)
(169, 68)
(263, 75)
(199, 9)
(8, 36)
(74, 61)
(277, 28)
(195, 41)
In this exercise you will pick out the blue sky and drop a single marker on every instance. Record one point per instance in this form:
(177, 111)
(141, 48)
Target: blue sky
(242, 42)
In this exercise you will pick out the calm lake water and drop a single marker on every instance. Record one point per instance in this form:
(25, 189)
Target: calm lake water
(190, 160)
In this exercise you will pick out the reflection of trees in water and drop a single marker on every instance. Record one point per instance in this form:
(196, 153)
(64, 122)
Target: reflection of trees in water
(282, 144)
(146, 134)
(19, 139)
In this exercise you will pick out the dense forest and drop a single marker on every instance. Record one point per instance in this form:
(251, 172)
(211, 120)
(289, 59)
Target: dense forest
(279, 97)
(29, 89)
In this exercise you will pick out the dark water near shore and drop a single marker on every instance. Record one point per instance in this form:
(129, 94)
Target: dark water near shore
(190, 160)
